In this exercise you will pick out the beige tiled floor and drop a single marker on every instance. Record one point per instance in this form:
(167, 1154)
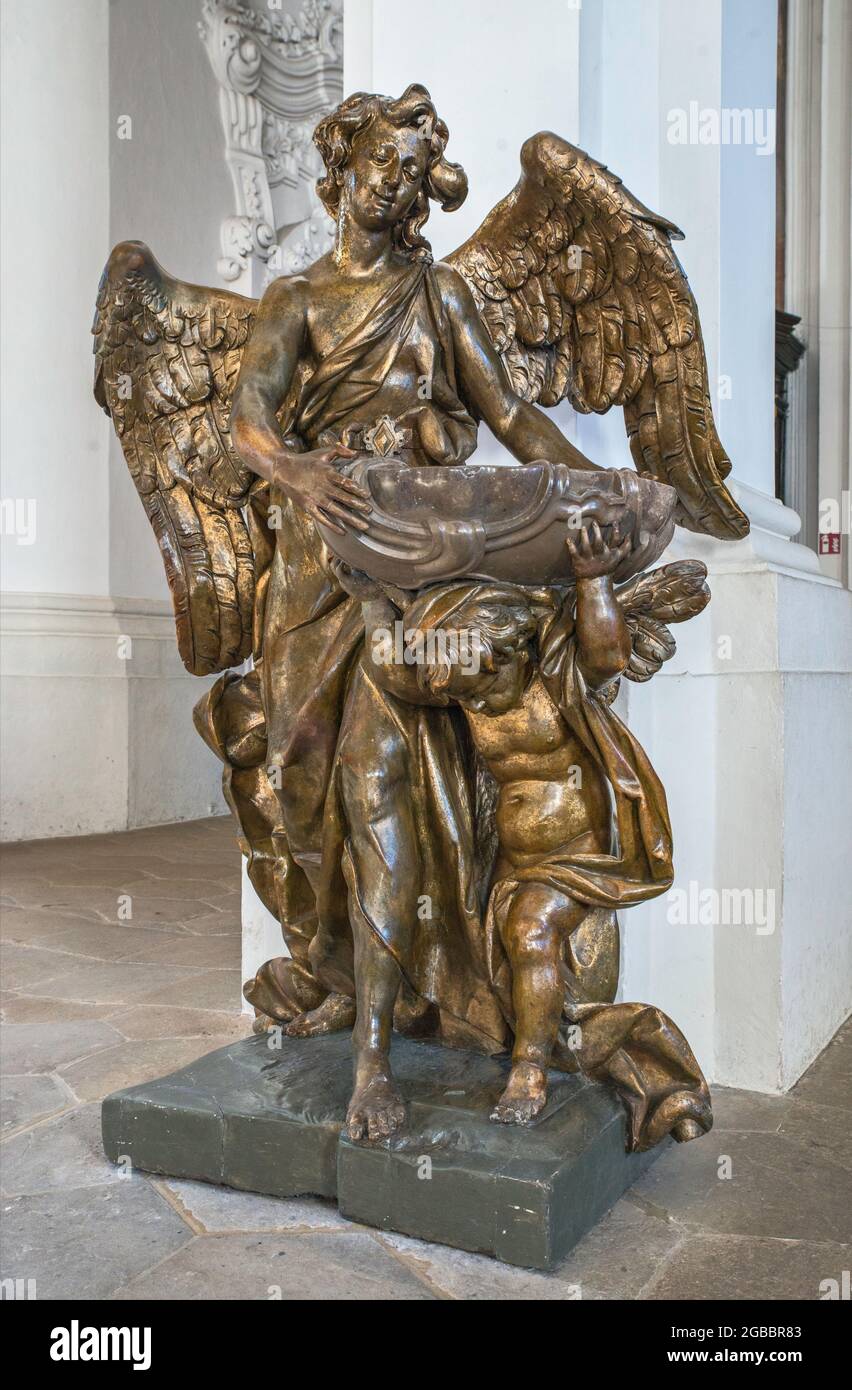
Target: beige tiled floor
(93, 1000)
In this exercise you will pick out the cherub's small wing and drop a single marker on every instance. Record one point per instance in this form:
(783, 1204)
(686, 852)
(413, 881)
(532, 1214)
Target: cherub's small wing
(671, 594)
(584, 298)
(167, 357)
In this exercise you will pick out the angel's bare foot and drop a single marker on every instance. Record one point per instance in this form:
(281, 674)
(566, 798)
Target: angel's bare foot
(525, 1095)
(336, 1012)
(376, 1109)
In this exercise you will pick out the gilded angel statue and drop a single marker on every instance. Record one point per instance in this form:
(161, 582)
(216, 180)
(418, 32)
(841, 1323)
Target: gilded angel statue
(276, 446)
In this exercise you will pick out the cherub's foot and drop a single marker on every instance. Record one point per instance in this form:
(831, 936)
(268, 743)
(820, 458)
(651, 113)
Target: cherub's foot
(525, 1095)
(376, 1109)
(336, 1012)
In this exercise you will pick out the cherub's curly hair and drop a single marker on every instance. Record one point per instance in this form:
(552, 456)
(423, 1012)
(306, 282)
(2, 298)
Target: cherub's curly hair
(494, 633)
(443, 181)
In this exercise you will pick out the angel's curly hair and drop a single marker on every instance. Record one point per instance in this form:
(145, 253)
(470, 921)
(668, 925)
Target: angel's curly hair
(443, 181)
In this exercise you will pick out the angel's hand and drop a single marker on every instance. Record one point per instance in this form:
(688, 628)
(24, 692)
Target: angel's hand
(314, 484)
(591, 554)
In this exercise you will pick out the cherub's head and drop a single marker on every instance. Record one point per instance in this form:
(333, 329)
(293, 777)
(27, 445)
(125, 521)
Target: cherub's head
(384, 160)
(485, 659)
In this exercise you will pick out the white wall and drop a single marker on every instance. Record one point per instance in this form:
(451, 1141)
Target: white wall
(97, 734)
(169, 187)
(495, 77)
(55, 224)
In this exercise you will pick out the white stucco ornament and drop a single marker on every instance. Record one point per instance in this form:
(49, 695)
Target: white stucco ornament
(278, 74)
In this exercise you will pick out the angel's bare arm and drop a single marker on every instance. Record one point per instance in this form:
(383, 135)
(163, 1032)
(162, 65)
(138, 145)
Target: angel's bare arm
(524, 429)
(268, 366)
(603, 637)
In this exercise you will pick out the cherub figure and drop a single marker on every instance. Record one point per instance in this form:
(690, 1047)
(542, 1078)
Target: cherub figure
(532, 671)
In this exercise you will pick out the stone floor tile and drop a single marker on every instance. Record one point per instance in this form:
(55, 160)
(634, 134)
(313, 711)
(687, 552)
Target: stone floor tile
(61, 1153)
(16, 921)
(106, 941)
(222, 1210)
(115, 982)
(42, 1047)
(111, 905)
(210, 989)
(20, 887)
(225, 871)
(746, 1110)
(104, 875)
(154, 1021)
(83, 1243)
(740, 1268)
(823, 1129)
(458, 1274)
(149, 889)
(828, 1081)
(29, 967)
(225, 923)
(305, 1267)
(210, 952)
(36, 1008)
(780, 1186)
(25, 1099)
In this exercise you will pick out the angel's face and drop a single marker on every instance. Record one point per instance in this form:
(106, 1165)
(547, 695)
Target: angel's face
(384, 173)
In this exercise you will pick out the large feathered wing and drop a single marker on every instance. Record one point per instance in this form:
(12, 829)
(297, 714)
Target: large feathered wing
(167, 359)
(584, 298)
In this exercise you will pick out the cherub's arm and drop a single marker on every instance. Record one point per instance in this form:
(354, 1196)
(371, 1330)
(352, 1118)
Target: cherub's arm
(524, 429)
(603, 637)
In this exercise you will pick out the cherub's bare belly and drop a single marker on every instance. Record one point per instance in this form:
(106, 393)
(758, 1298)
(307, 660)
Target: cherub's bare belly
(536, 817)
(550, 789)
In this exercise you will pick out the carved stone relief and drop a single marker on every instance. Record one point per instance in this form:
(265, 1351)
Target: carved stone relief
(278, 74)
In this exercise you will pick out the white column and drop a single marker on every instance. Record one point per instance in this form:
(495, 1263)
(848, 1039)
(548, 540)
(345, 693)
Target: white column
(97, 730)
(55, 210)
(739, 723)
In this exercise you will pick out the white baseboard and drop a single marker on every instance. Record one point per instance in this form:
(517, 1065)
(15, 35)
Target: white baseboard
(97, 729)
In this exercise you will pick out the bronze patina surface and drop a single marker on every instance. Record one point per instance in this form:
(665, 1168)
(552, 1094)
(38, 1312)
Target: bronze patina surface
(444, 835)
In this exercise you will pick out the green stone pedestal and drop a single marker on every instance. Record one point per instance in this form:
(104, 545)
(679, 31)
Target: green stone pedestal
(266, 1118)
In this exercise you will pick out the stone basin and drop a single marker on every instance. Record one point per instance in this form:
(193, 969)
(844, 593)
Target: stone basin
(503, 522)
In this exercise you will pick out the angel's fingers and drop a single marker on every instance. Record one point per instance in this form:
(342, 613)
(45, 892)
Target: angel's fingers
(596, 539)
(332, 508)
(317, 514)
(355, 488)
(347, 498)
